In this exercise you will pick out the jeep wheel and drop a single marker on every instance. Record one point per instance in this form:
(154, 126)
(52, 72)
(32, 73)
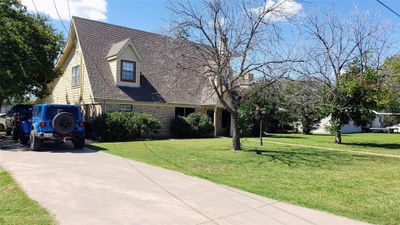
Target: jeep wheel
(63, 123)
(79, 142)
(22, 138)
(36, 143)
(15, 134)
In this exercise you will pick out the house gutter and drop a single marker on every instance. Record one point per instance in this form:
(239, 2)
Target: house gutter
(104, 100)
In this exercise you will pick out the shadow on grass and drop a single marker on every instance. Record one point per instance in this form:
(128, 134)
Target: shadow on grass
(97, 148)
(326, 159)
(375, 145)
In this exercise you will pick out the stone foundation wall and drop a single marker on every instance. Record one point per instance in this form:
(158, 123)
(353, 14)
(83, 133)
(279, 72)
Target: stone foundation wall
(165, 114)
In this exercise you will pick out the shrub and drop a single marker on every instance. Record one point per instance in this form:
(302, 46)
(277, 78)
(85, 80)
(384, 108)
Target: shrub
(121, 126)
(180, 127)
(194, 125)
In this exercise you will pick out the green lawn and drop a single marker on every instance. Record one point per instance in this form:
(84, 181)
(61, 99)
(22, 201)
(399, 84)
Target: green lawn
(17, 208)
(370, 142)
(363, 187)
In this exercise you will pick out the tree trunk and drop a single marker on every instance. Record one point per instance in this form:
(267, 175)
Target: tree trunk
(338, 135)
(338, 130)
(236, 132)
(306, 131)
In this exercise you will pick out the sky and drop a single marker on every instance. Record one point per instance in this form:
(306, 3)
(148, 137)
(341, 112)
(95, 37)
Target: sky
(152, 15)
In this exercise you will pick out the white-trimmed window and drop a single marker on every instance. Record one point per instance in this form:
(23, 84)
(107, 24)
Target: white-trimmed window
(76, 76)
(128, 71)
(125, 108)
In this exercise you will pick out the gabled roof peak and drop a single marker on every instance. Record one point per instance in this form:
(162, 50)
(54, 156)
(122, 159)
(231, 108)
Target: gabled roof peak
(118, 47)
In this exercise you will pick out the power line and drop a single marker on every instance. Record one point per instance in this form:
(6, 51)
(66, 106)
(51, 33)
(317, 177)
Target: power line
(69, 10)
(397, 14)
(59, 17)
(34, 5)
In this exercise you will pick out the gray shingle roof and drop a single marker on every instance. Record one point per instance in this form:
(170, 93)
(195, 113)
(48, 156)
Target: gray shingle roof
(116, 48)
(162, 80)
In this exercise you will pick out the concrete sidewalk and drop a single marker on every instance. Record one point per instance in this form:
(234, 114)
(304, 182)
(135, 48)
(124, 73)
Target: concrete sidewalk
(89, 187)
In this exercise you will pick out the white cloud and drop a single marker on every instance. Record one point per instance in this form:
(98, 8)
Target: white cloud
(281, 10)
(91, 9)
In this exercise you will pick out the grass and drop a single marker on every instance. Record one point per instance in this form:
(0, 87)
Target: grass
(16, 208)
(369, 142)
(363, 187)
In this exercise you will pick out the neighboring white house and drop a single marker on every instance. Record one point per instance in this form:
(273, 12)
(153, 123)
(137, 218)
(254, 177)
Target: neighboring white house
(323, 127)
(377, 122)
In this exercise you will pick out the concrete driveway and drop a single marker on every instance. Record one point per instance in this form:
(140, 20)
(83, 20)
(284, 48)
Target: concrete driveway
(89, 187)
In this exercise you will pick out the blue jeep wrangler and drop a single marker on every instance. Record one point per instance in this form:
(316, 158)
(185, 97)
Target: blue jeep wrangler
(53, 122)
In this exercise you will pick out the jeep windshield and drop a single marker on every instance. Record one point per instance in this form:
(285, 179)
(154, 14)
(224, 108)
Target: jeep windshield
(52, 111)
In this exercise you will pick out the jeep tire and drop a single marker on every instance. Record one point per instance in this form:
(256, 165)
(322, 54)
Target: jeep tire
(63, 123)
(22, 138)
(79, 142)
(15, 134)
(36, 143)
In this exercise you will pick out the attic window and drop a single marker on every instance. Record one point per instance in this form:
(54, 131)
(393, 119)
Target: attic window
(128, 71)
(75, 78)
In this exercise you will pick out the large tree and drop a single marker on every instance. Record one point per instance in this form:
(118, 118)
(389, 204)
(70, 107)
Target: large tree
(29, 47)
(303, 97)
(273, 100)
(338, 46)
(237, 39)
(390, 71)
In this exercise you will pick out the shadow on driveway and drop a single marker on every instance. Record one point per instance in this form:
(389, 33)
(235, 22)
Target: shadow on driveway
(8, 144)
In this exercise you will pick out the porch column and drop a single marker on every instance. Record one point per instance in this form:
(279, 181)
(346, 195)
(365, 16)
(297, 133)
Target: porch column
(215, 121)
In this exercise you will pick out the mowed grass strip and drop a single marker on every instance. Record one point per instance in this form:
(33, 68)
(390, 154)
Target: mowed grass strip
(358, 186)
(16, 208)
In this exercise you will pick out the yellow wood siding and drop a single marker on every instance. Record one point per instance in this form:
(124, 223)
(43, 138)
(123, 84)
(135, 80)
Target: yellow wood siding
(63, 92)
(113, 67)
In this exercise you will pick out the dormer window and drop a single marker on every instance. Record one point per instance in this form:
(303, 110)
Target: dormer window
(128, 71)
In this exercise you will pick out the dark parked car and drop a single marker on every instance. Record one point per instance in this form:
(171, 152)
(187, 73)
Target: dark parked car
(53, 122)
(14, 117)
(2, 122)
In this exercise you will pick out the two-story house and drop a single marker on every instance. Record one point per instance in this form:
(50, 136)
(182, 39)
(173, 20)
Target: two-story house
(112, 68)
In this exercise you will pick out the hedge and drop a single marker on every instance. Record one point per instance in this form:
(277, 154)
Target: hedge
(122, 126)
(194, 125)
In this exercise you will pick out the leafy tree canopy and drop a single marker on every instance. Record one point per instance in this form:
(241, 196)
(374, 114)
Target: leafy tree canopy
(390, 101)
(356, 95)
(29, 47)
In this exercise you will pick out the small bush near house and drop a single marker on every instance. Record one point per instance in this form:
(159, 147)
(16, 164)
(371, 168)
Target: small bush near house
(122, 126)
(194, 125)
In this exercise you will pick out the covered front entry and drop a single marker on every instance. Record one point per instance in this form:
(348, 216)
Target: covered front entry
(221, 119)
